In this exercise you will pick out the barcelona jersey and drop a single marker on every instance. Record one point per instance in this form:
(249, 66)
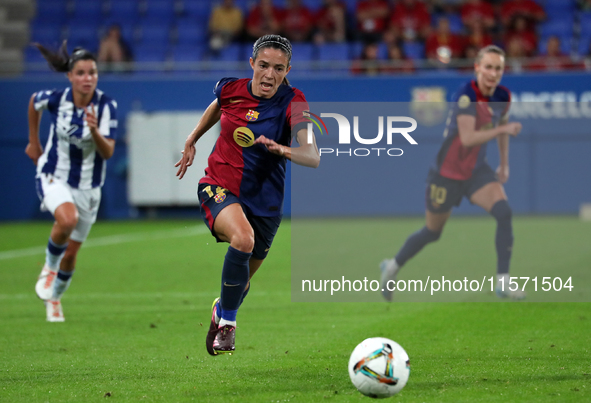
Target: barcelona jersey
(250, 171)
(455, 161)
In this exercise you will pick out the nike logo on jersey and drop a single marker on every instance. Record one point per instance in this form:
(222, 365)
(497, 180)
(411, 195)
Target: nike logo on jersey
(235, 101)
(231, 285)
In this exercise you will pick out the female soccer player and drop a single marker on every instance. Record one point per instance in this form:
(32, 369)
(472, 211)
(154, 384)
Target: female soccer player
(241, 194)
(479, 114)
(71, 170)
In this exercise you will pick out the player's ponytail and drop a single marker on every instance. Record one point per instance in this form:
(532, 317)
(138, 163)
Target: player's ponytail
(275, 42)
(60, 61)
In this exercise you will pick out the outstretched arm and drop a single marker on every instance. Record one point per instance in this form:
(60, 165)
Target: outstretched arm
(306, 154)
(471, 137)
(210, 117)
(34, 149)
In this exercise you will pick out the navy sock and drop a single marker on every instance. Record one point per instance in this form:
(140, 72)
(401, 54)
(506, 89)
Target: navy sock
(244, 294)
(234, 280)
(64, 275)
(415, 243)
(504, 237)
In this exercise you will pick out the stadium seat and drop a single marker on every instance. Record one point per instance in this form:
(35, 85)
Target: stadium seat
(583, 45)
(559, 27)
(150, 53)
(414, 50)
(455, 22)
(196, 8)
(231, 53)
(302, 52)
(333, 51)
(585, 21)
(155, 33)
(88, 10)
(83, 34)
(52, 11)
(159, 9)
(50, 35)
(188, 53)
(553, 6)
(124, 11)
(32, 55)
(190, 31)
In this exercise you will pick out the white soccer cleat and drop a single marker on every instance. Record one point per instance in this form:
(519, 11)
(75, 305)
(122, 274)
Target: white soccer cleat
(44, 286)
(504, 291)
(389, 269)
(54, 311)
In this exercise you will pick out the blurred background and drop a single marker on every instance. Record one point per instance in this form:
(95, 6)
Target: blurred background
(161, 59)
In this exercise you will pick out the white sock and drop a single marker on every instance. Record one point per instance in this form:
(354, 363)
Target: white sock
(503, 278)
(224, 322)
(59, 288)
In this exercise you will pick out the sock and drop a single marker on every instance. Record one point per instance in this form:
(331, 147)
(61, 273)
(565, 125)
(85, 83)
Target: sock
(234, 280)
(504, 236)
(54, 254)
(61, 284)
(244, 294)
(218, 311)
(415, 243)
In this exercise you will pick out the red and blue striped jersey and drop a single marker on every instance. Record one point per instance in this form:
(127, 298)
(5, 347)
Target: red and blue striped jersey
(250, 171)
(454, 160)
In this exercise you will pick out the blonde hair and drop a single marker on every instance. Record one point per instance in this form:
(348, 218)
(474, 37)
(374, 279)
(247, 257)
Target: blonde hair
(489, 49)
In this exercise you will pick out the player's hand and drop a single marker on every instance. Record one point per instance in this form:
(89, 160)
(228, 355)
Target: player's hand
(91, 119)
(272, 146)
(513, 128)
(34, 151)
(186, 160)
(503, 173)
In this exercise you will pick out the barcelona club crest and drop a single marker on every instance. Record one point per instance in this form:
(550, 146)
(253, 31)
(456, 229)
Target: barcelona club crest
(220, 195)
(251, 116)
(428, 105)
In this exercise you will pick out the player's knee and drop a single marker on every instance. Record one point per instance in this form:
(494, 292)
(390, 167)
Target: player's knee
(67, 223)
(501, 211)
(243, 240)
(431, 235)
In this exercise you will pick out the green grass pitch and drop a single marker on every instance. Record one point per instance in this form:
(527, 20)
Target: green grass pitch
(138, 309)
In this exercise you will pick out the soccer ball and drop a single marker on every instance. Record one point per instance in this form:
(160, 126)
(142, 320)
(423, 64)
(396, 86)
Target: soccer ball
(379, 367)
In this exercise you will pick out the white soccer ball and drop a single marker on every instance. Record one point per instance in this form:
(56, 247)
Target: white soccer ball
(379, 367)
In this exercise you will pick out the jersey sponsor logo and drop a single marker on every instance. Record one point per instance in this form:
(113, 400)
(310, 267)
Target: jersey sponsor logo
(428, 105)
(235, 101)
(244, 137)
(464, 101)
(251, 116)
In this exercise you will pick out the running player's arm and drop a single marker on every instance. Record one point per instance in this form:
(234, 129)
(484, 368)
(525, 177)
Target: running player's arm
(104, 146)
(503, 143)
(34, 150)
(306, 154)
(210, 117)
(471, 137)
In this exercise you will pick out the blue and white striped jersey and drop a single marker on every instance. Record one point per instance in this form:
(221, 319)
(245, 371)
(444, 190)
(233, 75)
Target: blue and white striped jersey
(70, 153)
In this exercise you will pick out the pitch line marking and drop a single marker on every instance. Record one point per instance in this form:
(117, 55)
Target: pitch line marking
(113, 240)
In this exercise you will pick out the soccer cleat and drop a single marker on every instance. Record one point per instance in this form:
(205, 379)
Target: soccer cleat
(506, 293)
(213, 329)
(224, 339)
(54, 311)
(44, 286)
(389, 269)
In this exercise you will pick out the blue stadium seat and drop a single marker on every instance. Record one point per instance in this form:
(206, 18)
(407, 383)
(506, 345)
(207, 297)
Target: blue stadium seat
(50, 35)
(190, 31)
(414, 50)
(164, 10)
(561, 27)
(150, 53)
(188, 53)
(53, 11)
(197, 8)
(83, 34)
(87, 10)
(301, 52)
(32, 55)
(333, 51)
(583, 45)
(124, 11)
(154, 33)
(566, 45)
(585, 20)
(231, 53)
(455, 22)
(552, 6)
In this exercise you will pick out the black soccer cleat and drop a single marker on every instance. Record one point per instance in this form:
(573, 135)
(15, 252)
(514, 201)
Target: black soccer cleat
(224, 339)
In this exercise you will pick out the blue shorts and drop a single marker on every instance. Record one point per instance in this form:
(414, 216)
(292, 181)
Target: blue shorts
(214, 199)
(443, 193)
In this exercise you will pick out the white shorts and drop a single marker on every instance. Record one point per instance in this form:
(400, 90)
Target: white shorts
(54, 192)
